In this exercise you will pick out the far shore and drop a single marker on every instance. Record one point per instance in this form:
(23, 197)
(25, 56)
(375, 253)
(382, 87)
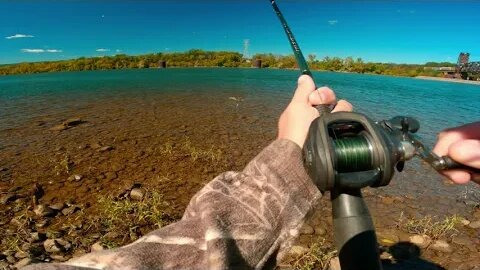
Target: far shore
(447, 80)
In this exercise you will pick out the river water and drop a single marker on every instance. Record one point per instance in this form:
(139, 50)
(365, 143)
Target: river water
(236, 109)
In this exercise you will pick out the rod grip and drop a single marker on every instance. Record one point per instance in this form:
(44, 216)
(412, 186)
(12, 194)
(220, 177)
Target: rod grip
(450, 164)
(323, 108)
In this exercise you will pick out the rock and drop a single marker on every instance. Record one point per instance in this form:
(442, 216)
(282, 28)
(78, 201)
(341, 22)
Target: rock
(70, 210)
(51, 234)
(23, 263)
(56, 245)
(42, 210)
(387, 200)
(51, 246)
(137, 194)
(421, 240)
(11, 259)
(7, 198)
(57, 206)
(37, 192)
(20, 254)
(37, 237)
(73, 122)
(465, 222)
(335, 264)
(105, 149)
(474, 224)
(297, 251)
(462, 240)
(60, 127)
(75, 177)
(306, 229)
(42, 223)
(59, 258)
(320, 230)
(110, 175)
(97, 247)
(442, 246)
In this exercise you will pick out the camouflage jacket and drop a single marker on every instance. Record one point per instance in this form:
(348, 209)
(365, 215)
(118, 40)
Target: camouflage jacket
(240, 220)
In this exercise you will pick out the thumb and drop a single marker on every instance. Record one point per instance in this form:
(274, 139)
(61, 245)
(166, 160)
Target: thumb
(304, 88)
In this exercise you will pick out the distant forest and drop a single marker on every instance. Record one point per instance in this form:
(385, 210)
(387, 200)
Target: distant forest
(201, 58)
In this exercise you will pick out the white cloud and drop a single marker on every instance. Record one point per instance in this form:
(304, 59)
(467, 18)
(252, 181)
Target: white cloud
(19, 36)
(333, 22)
(103, 50)
(41, 51)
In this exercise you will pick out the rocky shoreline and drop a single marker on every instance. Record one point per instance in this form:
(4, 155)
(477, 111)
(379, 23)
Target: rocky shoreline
(103, 176)
(448, 80)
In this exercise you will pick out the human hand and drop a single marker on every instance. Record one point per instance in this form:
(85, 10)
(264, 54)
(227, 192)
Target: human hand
(297, 117)
(462, 144)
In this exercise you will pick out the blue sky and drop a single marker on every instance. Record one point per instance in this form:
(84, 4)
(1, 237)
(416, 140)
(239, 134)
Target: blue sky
(386, 31)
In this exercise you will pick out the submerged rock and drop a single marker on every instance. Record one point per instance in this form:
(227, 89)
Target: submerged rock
(23, 263)
(442, 246)
(97, 247)
(42, 210)
(7, 198)
(137, 194)
(420, 240)
(105, 149)
(56, 245)
(474, 224)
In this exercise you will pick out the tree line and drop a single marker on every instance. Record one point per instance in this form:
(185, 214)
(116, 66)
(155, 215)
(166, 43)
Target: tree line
(201, 58)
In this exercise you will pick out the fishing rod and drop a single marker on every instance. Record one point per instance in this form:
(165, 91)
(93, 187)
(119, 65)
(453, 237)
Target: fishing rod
(300, 59)
(345, 152)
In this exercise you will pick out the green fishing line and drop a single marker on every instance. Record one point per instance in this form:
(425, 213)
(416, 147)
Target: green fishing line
(353, 154)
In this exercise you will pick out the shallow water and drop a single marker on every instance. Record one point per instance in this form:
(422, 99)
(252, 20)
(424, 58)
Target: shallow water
(151, 107)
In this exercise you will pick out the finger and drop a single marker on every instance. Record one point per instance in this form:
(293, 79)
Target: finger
(445, 139)
(466, 152)
(343, 106)
(304, 88)
(458, 176)
(323, 95)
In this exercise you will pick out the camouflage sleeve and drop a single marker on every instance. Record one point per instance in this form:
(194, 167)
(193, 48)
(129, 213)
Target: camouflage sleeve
(240, 220)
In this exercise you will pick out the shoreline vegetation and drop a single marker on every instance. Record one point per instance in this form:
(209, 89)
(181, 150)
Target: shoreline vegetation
(201, 58)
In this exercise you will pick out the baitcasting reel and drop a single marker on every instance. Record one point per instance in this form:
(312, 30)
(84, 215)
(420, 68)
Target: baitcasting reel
(346, 152)
(351, 151)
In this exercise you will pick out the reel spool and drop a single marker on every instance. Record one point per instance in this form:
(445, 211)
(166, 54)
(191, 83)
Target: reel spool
(349, 150)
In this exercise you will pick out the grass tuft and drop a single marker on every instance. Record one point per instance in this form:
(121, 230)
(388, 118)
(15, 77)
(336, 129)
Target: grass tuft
(318, 256)
(428, 225)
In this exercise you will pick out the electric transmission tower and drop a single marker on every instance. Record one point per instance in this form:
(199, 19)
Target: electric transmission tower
(246, 44)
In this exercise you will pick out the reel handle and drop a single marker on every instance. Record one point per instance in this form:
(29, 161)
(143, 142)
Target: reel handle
(450, 164)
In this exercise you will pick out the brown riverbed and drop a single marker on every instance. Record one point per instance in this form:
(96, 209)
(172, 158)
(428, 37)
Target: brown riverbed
(171, 144)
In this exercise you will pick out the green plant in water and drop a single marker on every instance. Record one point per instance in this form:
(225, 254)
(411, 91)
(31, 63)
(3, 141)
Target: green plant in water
(125, 216)
(429, 226)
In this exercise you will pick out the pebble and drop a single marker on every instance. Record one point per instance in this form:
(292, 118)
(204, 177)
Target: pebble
(70, 210)
(97, 247)
(105, 148)
(7, 198)
(137, 194)
(298, 251)
(37, 237)
(23, 263)
(43, 211)
(75, 177)
(11, 259)
(462, 241)
(59, 257)
(420, 240)
(320, 230)
(20, 254)
(110, 175)
(42, 223)
(465, 222)
(57, 206)
(56, 245)
(442, 246)
(474, 224)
